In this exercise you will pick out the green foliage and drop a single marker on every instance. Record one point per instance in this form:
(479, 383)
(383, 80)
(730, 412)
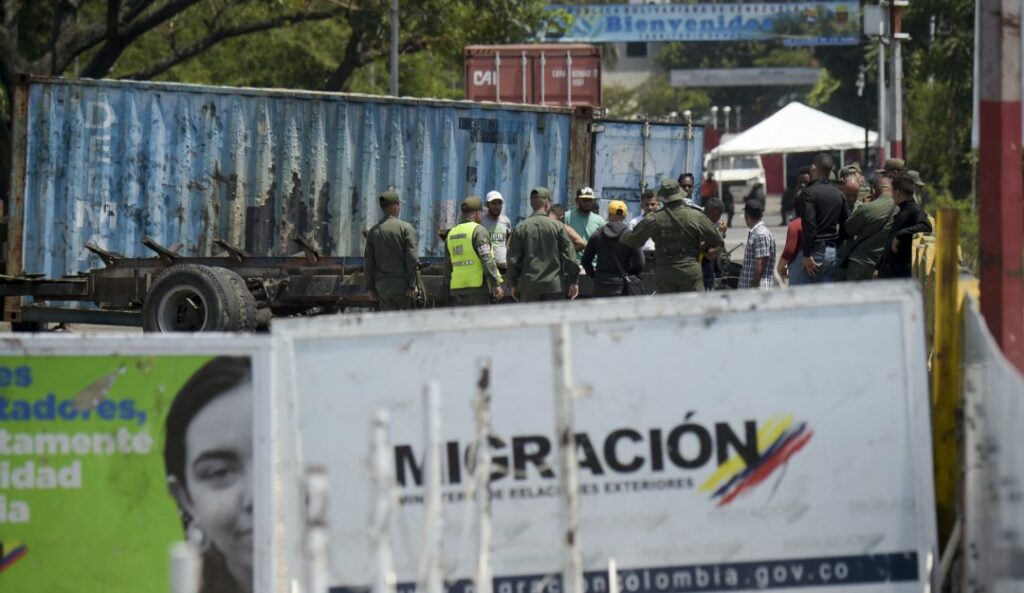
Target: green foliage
(842, 63)
(969, 226)
(420, 75)
(938, 101)
(938, 149)
(756, 105)
(298, 57)
(823, 90)
(655, 99)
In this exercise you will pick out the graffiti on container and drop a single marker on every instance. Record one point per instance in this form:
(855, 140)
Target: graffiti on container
(100, 119)
(493, 131)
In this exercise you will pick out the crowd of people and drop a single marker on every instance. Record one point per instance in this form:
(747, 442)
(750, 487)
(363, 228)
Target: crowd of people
(852, 230)
(839, 228)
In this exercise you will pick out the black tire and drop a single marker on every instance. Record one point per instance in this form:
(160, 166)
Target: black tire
(242, 307)
(189, 298)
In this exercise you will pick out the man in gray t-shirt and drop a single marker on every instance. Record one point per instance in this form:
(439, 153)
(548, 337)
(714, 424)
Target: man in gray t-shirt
(499, 227)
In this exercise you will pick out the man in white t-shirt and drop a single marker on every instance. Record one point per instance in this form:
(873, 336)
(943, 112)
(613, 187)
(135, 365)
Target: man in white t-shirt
(649, 203)
(498, 226)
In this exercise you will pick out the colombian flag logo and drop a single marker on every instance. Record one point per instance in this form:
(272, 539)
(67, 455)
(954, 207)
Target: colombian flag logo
(11, 552)
(777, 440)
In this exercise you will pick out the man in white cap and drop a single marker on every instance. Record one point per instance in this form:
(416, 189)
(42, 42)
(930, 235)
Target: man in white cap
(498, 226)
(583, 219)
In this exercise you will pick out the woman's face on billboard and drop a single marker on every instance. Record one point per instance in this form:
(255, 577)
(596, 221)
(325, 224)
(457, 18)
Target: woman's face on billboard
(218, 466)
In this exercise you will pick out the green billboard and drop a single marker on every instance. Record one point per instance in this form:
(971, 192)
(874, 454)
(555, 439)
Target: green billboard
(106, 461)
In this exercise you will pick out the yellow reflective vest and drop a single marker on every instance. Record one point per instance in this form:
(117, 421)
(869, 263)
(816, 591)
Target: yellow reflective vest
(467, 269)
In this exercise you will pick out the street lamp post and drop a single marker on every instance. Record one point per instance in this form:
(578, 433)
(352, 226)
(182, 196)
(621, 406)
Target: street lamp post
(714, 116)
(394, 48)
(739, 118)
(727, 110)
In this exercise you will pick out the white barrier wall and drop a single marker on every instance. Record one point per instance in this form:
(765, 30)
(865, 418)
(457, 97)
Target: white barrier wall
(993, 463)
(728, 442)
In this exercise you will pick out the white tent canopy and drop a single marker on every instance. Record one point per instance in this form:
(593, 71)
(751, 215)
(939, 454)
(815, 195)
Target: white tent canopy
(796, 128)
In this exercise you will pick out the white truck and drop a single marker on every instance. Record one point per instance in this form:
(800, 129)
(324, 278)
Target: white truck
(737, 175)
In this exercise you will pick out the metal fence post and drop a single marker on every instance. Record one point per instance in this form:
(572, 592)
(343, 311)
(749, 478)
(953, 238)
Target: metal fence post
(384, 581)
(484, 579)
(946, 378)
(317, 535)
(572, 555)
(186, 568)
(431, 572)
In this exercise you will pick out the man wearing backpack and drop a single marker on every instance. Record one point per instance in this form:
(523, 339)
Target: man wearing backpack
(618, 265)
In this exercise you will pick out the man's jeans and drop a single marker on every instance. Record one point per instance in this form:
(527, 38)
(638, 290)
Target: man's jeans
(824, 257)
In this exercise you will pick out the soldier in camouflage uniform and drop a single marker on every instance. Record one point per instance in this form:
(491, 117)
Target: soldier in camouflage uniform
(390, 264)
(678, 232)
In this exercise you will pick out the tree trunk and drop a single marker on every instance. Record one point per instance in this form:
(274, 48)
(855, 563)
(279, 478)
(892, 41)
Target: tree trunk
(353, 59)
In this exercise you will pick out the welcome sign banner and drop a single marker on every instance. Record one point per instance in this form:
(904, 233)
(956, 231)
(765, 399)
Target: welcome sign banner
(793, 23)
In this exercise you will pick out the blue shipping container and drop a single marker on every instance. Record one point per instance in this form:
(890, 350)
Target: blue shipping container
(112, 162)
(628, 155)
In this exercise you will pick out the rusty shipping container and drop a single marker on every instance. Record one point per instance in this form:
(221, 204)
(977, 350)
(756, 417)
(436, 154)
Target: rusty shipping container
(112, 162)
(539, 74)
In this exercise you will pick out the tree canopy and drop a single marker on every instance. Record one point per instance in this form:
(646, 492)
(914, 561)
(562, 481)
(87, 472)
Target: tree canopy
(307, 44)
(343, 45)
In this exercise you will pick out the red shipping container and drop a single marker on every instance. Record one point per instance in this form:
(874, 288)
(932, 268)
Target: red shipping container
(534, 73)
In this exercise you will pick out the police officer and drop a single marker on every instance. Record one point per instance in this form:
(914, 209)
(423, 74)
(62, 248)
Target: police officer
(677, 232)
(468, 260)
(390, 262)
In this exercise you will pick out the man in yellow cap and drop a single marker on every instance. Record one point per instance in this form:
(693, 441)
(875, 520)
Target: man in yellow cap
(618, 265)
(469, 265)
(390, 262)
(677, 231)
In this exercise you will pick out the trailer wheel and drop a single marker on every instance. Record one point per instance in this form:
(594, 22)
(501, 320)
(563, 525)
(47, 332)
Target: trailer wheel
(188, 298)
(242, 305)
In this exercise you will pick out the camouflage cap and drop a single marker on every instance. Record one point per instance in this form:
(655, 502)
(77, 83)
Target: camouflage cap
(471, 204)
(670, 191)
(893, 166)
(388, 198)
(850, 170)
(916, 178)
(542, 192)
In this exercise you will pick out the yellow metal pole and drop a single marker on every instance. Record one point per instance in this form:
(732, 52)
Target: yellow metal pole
(946, 368)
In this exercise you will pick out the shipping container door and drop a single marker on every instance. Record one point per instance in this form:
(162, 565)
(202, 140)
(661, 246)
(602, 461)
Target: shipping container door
(626, 153)
(514, 85)
(552, 85)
